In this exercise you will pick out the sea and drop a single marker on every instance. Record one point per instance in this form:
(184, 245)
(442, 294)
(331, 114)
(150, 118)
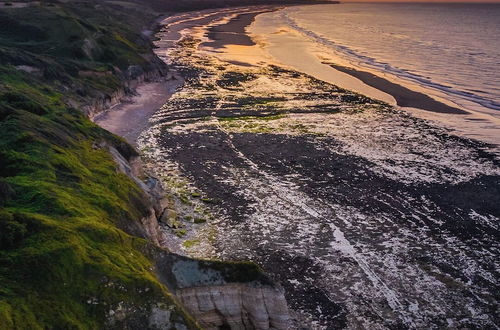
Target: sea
(448, 50)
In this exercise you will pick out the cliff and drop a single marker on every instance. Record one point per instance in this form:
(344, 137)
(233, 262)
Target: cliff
(225, 295)
(80, 245)
(237, 306)
(216, 294)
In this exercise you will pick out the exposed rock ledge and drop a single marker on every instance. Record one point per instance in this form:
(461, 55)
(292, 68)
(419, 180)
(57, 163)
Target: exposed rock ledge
(219, 295)
(238, 306)
(225, 295)
(152, 188)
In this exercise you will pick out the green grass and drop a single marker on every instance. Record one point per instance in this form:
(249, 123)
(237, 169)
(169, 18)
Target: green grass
(71, 249)
(71, 246)
(239, 272)
(252, 118)
(250, 124)
(66, 219)
(199, 220)
(64, 40)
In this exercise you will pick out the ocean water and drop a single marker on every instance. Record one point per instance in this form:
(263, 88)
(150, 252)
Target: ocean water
(451, 49)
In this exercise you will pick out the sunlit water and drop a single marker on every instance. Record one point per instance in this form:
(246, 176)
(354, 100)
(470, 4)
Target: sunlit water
(452, 49)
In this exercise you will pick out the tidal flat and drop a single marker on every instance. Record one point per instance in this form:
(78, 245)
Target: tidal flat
(367, 216)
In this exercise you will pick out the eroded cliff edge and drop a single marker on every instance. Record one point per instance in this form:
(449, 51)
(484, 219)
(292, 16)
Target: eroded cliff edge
(217, 294)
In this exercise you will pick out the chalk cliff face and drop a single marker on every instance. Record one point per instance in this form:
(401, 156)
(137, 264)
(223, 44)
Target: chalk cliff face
(238, 306)
(131, 79)
(154, 202)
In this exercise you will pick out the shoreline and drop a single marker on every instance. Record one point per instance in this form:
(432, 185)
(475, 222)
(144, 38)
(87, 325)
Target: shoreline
(233, 33)
(404, 96)
(416, 102)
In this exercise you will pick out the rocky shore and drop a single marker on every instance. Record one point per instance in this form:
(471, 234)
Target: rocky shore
(216, 294)
(367, 216)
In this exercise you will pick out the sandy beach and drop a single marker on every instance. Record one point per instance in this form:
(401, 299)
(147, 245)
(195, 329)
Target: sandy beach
(231, 33)
(129, 118)
(234, 33)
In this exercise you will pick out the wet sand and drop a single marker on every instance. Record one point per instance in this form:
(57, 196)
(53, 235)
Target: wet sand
(129, 118)
(174, 25)
(405, 97)
(232, 32)
(285, 49)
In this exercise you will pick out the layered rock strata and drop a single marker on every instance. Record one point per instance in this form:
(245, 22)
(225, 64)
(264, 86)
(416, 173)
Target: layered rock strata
(237, 306)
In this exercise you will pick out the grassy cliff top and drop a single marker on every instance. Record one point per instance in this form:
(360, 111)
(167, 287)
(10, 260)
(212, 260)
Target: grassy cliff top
(67, 257)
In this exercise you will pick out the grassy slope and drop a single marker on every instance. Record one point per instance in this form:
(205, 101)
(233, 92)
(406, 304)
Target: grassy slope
(66, 40)
(69, 258)
(64, 261)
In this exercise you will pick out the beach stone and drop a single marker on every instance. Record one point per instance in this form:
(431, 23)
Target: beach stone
(169, 217)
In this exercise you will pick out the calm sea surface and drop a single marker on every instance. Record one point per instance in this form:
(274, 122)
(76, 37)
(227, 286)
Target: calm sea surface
(452, 48)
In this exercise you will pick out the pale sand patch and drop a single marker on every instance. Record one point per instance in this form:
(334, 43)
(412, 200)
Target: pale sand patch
(129, 119)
